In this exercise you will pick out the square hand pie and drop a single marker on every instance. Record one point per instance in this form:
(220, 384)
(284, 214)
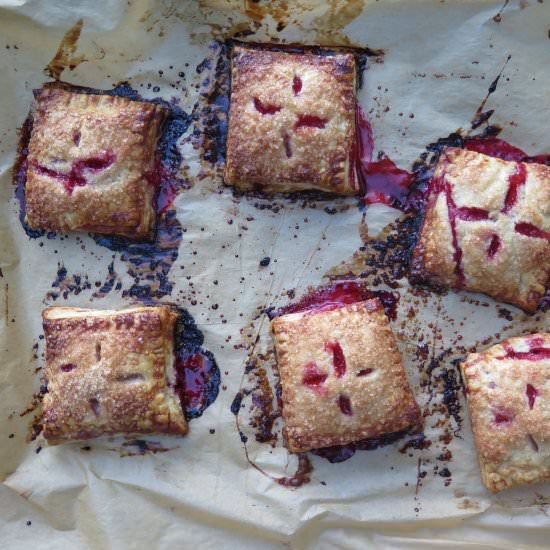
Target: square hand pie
(487, 228)
(91, 163)
(342, 376)
(110, 373)
(508, 389)
(291, 121)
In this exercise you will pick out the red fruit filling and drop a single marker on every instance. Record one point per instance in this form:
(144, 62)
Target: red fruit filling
(286, 142)
(365, 372)
(442, 186)
(297, 85)
(535, 352)
(515, 182)
(310, 121)
(345, 405)
(338, 359)
(313, 376)
(265, 108)
(531, 393)
(68, 367)
(494, 247)
(76, 175)
(502, 417)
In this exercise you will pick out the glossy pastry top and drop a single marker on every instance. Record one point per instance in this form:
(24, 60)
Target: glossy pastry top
(292, 121)
(92, 162)
(110, 372)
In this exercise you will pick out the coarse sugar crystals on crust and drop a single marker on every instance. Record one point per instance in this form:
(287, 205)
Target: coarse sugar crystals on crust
(92, 162)
(342, 376)
(508, 390)
(487, 228)
(110, 373)
(291, 121)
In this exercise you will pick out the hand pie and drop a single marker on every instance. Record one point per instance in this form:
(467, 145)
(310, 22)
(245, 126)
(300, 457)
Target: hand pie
(487, 228)
(342, 376)
(110, 373)
(92, 162)
(508, 389)
(291, 121)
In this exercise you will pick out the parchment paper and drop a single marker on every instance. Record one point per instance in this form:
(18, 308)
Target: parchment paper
(439, 59)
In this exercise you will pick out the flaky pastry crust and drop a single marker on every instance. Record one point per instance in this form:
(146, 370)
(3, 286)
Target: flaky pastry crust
(342, 376)
(110, 373)
(508, 393)
(291, 121)
(92, 162)
(500, 242)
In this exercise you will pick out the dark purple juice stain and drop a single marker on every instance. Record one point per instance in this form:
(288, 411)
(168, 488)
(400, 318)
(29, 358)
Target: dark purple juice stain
(68, 284)
(197, 374)
(148, 263)
(65, 284)
(138, 447)
(210, 113)
(341, 453)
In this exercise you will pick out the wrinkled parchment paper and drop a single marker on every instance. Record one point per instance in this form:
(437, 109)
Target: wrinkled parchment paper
(439, 61)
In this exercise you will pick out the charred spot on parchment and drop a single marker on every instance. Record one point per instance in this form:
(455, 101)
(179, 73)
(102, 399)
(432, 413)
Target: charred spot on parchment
(65, 55)
(66, 285)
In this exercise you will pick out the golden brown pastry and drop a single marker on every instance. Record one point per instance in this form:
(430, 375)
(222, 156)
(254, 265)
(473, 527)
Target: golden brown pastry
(110, 373)
(291, 121)
(487, 228)
(342, 376)
(92, 162)
(508, 389)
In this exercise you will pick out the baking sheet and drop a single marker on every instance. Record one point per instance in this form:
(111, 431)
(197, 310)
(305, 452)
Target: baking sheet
(438, 61)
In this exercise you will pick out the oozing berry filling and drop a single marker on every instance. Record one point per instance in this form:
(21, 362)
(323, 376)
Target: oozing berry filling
(297, 85)
(338, 359)
(494, 247)
(345, 405)
(310, 121)
(515, 182)
(68, 367)
(530, 230)
(313, 376)
(535, 352)
(76, 177)
(502, 416)
(442, 186)
(266, 108)
(365, 372)
(531, 393)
